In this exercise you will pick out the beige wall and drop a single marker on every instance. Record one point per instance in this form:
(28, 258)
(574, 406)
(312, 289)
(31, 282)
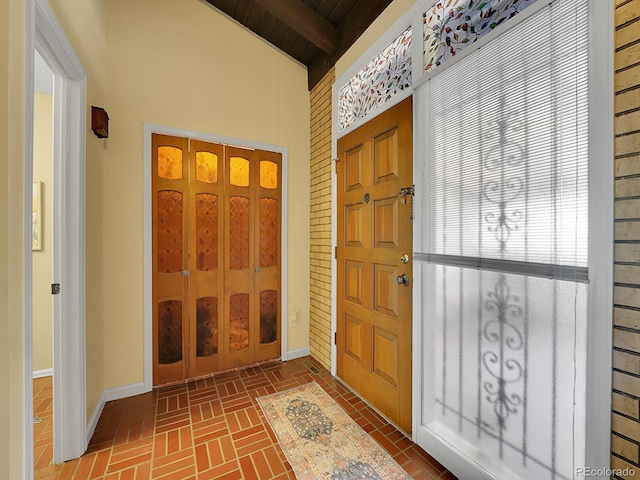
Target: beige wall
(83, 22)
(11, 238)
(43, 259)
(185, 65)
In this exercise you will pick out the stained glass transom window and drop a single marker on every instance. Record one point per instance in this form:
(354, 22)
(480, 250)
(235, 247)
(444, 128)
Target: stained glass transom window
(377, 82)
(450, 26)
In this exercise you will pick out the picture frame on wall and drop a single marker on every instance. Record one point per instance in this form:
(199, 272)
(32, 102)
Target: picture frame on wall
(36, 217)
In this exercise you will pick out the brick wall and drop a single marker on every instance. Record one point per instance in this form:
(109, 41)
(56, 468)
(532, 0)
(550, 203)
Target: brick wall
(321, 251)
(625, 440)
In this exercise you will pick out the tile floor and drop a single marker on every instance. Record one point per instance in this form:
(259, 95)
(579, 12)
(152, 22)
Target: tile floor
(43, 427)
(209, 429)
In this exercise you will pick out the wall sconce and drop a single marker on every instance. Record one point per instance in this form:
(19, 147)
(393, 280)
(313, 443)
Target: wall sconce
(100, 122)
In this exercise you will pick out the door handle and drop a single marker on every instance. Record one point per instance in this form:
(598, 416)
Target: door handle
(402, 279)
(185, 273)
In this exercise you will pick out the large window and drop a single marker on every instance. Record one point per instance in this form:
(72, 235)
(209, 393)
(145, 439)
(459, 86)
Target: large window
(502, 207)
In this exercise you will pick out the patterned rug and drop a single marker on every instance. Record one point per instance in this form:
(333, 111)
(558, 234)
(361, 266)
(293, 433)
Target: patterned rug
(321, 441)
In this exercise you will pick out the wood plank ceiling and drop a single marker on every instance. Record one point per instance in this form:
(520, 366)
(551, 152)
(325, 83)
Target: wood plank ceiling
(314, 32)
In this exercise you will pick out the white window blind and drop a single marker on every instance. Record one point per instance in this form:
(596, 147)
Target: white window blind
(501, 170)
(501, 151)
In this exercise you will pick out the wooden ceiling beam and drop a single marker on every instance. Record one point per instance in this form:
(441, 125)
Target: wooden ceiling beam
(305, 21)
(363, 13)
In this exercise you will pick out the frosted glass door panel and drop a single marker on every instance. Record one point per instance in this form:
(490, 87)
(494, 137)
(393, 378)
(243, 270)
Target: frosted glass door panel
(503, 353)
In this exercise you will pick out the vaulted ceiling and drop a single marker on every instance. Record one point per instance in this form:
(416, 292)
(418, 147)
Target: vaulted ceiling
(314, 32)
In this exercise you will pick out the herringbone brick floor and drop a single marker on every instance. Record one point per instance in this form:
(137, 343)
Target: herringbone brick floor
(210, 429)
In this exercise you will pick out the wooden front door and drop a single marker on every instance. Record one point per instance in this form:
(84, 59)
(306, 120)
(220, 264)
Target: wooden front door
(216, 257)
(374, 235)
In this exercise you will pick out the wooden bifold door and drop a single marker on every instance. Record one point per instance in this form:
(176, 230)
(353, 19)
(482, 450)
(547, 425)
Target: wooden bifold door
(216, 257)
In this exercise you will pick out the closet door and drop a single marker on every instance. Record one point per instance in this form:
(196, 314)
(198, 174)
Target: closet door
(206, 260)
(170, 275)
(216, 257)
(267, 255)
(239, 293)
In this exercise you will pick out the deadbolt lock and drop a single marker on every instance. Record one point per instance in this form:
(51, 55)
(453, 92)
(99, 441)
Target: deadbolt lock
(404, 258)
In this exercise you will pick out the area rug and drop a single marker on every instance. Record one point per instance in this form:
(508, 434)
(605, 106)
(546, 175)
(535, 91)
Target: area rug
(321, 441)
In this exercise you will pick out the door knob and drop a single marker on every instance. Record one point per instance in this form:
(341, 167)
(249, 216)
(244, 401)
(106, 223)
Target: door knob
(402, 279)
(185, 273)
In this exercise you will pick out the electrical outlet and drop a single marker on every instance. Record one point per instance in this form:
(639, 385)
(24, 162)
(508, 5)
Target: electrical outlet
(294, 317)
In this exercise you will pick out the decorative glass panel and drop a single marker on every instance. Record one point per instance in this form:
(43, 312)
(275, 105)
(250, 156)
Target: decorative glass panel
(169, 231)
(239, 171)
(206, 167)
(238, 233)
(169, 332)
(380, 80)
(170, 163)
(268, 316)
(238, 321)
(268, 174)
(268, 232)
(206, 231)
(451, 26)
(207, 326)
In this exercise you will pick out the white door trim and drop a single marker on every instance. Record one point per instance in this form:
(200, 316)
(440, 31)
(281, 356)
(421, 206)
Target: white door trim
(42, 31)
(148, 129)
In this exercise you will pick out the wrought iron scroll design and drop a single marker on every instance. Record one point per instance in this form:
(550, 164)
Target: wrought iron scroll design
(502, 384)
(503, 369)
(506, 156)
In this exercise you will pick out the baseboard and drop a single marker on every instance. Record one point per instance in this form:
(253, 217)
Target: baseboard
(300, 352)
(93, 423)
(47, 372)
(116, 393)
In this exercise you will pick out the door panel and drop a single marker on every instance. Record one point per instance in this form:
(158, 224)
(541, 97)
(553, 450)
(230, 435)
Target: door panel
(239, 220)
(170, 207)
(374, 231)
(205, 265)
(267, 254)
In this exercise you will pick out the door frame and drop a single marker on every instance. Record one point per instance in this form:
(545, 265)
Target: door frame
(44, 33)
(599, 332)
(148, 129)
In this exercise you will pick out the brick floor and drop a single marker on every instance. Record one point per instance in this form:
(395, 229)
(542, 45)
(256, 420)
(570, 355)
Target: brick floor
(209, 429)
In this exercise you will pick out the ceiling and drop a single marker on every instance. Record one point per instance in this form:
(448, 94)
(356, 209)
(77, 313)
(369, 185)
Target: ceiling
(314, 32)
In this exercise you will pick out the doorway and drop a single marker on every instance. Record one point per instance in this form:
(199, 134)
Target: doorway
(374, 249)
(42, 261)
(43, 32)
(216, 256)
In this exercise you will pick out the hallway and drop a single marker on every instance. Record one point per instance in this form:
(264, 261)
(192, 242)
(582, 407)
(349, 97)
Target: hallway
(213, 428)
